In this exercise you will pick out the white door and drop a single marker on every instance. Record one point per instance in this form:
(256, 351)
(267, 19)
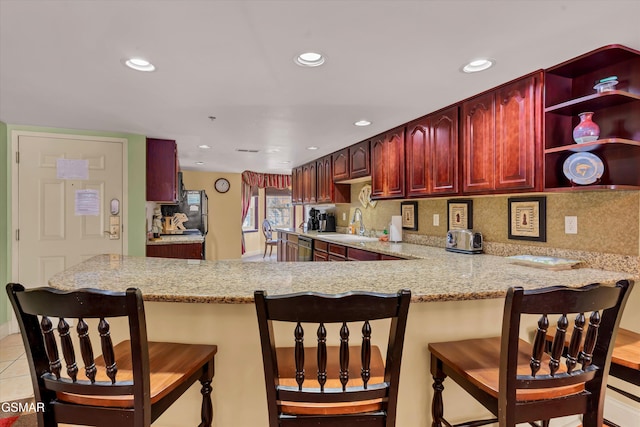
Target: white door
(60, 223)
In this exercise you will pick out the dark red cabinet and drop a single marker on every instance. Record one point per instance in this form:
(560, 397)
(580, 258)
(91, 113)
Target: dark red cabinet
(176, 250)
(387, 165)
(162, 170)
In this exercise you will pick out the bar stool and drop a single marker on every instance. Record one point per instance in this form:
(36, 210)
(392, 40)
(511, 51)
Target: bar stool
(516, 381)
(129, 384)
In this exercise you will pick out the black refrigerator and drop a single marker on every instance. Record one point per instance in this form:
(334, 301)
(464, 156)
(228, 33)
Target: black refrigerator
(194, 204)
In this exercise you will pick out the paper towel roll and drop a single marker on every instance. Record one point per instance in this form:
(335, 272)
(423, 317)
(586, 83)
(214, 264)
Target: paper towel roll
(395, 229)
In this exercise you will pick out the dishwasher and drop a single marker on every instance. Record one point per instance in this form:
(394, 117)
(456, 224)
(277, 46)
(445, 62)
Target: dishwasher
(305, 249)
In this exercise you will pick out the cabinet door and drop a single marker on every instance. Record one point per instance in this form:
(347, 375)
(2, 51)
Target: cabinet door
(360, 160)
(320, 256)
(478, 143)
(341, 165)
(387, 163)
(296, 185)
(178, 250)
(325, 180)
(443, 157)
(162, 170)
(418, 157)
(292, 251)
(518, 134)
(309, 179)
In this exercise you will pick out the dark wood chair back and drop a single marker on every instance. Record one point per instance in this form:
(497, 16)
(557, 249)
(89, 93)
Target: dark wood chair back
(301, 396)
(531, 385)
(91, 390)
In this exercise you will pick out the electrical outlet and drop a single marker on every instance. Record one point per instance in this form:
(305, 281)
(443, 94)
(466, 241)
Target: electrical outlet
(436, 220)
(571, 225)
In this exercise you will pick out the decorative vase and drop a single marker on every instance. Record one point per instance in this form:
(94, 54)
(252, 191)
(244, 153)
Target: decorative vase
(587, 130)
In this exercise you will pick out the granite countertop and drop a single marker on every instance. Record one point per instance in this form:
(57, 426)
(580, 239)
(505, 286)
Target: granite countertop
(176, 239)
(438, 276)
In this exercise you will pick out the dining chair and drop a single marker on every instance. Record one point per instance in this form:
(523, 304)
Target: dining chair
(321, 384)
(129, 384)
(518, 382)
(269, 241)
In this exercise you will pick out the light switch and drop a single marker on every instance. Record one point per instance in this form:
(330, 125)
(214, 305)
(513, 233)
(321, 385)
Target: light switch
(344, 216)
(436, 220)
(571, 225)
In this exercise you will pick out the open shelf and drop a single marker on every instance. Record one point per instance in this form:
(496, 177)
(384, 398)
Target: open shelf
(568, 92)
(593, 102)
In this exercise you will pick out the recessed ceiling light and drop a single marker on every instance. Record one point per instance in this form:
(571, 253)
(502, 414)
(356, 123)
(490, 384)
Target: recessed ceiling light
(309, 59)
(478, 65)
(313, 147)
(204, 146)
(199, 163)
(273, 150)
(362, 123)
(286, 162)
(139, 64)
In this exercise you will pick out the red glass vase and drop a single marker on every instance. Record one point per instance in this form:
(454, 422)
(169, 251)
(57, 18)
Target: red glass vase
(587, 130)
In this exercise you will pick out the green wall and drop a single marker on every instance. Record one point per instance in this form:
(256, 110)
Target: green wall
(136, 157)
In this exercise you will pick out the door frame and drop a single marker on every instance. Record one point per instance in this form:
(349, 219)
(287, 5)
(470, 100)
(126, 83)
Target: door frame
(124, 206)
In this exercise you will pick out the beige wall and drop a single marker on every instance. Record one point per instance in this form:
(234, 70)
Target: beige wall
(608, 221)
(225, 226)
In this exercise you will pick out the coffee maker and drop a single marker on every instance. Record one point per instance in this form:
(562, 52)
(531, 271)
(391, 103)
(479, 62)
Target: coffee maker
(314, 219)
(327, 222)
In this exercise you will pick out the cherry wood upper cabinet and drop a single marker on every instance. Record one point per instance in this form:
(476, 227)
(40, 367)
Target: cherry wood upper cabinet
(309, 180)
(360, 160)
(387, 165)
(341, 165)
(325, 180)
(502, 138)
(296, 185)
(162, 170)
(431, 150)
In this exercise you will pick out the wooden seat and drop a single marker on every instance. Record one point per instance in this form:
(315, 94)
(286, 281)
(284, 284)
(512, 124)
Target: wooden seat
(269, 241)
(129, 384)
(625, 360)
(516, 381)
(331, 385)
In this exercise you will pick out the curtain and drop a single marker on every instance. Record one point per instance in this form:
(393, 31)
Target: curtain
(251, 180)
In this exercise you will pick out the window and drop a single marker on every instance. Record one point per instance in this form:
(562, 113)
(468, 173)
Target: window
(251, 220)
(279, 209)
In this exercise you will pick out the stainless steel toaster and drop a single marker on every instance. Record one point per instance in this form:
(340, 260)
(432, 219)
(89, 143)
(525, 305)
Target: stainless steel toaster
(464, 241)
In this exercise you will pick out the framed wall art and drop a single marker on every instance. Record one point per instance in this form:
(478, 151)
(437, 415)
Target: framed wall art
(459, 214)
(528, 218)
(409, 212)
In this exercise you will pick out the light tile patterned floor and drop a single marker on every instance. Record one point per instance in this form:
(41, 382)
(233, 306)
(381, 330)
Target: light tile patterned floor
(15, 381)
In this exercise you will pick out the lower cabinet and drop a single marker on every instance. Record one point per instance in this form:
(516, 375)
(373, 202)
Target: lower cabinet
(325, 251)
(176, 250)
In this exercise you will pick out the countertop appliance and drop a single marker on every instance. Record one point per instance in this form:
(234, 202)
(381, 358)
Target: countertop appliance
(195, 205)
(314, 219)
(330, 224)
(464, 241)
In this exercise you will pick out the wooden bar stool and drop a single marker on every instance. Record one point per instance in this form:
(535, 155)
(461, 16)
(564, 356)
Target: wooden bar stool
(518, 382)
(129, 384)
(625, 360)
(324, 385)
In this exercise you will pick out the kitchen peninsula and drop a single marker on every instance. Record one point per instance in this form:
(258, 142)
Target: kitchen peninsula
(454, 296)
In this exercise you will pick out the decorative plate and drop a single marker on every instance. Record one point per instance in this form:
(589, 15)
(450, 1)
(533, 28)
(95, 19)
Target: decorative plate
(583, 168)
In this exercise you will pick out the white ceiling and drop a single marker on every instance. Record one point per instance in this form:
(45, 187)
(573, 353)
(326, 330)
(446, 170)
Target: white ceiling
(387, 61)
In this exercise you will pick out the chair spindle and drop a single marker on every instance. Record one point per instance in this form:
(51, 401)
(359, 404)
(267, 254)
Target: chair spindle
(590, 339)
(574, 344)
(344, 355)
(107, 349)
(538, 344)
(51, 347)
(67, 349)
(86, 350)
(299, 354)
(366, 353)
(322, 356)
(558, 344)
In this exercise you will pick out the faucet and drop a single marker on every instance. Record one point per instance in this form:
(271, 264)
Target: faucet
(358, 213)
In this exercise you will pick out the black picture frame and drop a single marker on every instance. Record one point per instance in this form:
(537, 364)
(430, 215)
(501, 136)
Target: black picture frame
(459, 214)
(409, 212)
(527, 218)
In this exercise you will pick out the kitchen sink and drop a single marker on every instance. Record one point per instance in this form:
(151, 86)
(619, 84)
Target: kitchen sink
(348, 238)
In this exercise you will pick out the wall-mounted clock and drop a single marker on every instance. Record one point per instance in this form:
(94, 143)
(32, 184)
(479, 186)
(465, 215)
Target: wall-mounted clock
(222, 185)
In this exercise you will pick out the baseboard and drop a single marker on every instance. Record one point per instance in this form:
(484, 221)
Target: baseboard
(620, 412)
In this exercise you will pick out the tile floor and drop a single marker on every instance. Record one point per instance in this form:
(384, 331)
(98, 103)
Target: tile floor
(15, 381)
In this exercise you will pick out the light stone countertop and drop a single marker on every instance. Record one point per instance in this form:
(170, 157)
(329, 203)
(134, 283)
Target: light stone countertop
(439, 276)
